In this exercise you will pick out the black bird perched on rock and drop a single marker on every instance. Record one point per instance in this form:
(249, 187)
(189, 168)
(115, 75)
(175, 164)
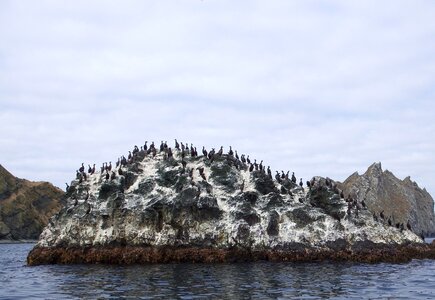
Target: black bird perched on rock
(107, 176)
(363, 203)
(237, 156)
(177, 145)
(67, 187)
(390, 222)
(301, 183)
(293, 177)
(248, 160)
(145, 147)
(82, 168)
(221, 151)
(408, 225)
(88, 210)
(242, 158)
(204, 152)
(381, 214)
(251, 168)
(120, 171)
(89, 169)
(308, 184)
(277, 177)
(230, 153)
(112, 176)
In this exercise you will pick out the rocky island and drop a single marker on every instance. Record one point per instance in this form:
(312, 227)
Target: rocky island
(172, 205)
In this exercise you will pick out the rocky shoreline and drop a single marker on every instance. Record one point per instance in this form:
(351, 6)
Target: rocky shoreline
(128, 255)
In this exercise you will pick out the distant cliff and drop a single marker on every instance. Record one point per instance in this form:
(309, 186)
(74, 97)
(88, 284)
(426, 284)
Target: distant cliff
(402, 200)
(25, 206)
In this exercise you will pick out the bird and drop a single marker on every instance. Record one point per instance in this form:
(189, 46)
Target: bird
(82, 168)
(408, 225)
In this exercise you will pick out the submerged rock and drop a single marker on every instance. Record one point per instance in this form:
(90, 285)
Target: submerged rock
(211, 210)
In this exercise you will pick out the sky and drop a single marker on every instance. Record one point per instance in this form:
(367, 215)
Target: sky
(315, 87)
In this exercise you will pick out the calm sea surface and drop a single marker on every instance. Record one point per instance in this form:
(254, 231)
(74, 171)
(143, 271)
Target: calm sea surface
(261, 280)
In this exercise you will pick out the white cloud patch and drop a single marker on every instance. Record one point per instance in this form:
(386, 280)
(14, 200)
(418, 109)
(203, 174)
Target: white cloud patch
(312, 87)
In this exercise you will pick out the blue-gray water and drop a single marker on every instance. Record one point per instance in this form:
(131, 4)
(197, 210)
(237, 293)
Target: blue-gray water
(261, 280)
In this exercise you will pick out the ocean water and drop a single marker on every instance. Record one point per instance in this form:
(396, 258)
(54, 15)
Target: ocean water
(260, 280)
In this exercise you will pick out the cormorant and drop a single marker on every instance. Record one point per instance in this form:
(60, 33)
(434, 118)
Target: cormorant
(242, 158)
(67, 187)
(89, 169)
(107, 176)
(82, 168)
(177, 145)
(129, 155)
(251, 168)
(248, 160)
(293, 177)
(230, 153)
(145, 147)
(277, 177)
(408, 225)
(375, 217)
(363, 203)
(93, 169)
(88, 210)
(204, 152)
(112, 176)
(162, 146)
(221, 151)
(110, 166)
(261, 165)
(308, 184)
(237, 156)
(301, 183)
(120, 172)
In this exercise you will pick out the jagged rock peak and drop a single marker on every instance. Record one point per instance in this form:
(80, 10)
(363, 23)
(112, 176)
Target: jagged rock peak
(400, 200)
(375, 170)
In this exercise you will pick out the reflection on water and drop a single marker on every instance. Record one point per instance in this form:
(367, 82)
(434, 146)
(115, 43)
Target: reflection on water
(261, 280)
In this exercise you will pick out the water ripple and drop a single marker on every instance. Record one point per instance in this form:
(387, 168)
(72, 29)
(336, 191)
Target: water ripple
(261, 280)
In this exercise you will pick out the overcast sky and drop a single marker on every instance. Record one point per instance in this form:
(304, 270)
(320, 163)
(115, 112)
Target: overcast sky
(315, 87)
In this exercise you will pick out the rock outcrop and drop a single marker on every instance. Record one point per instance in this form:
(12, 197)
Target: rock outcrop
(25, 206)
(162, 208)
(402, 200)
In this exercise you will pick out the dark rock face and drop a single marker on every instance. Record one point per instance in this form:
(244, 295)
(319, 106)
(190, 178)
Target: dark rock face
(323, 196)
(26, 207)
(402, 200)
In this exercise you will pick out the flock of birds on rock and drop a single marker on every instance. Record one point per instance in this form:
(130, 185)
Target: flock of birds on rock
(241, 162)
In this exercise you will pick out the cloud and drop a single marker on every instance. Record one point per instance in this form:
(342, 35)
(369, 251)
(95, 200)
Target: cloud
(312, 87)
